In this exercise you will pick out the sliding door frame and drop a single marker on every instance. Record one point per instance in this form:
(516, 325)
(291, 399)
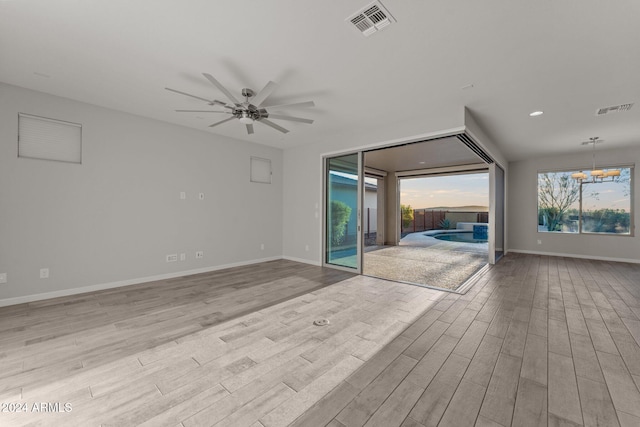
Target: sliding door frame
(325, 216)
(466, 137)
(496, 212)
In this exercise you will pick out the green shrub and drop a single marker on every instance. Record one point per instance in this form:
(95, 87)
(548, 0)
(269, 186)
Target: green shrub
(445, 224)
(340, 213)
(407, 215)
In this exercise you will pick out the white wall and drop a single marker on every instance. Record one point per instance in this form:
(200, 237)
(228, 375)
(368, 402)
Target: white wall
(113, 219)
(522, 213)
(302, 213)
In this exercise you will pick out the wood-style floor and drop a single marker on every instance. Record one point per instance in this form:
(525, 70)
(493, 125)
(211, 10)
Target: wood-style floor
(537, 341)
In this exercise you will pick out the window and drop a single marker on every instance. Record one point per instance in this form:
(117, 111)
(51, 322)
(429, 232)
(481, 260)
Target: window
(48, 139)
(593, 205)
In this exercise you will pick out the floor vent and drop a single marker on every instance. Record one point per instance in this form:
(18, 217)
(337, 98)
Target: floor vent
(371, 19)
(475, 148)
(613, 109)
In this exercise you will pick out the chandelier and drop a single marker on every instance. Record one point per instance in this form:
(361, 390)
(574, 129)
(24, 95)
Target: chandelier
(595, 175)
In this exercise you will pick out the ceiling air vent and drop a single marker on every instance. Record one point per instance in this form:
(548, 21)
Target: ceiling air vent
(613, 109)
(371, 18)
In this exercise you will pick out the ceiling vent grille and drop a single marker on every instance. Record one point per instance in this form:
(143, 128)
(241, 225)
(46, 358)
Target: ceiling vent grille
(613, 109)
(371, 19)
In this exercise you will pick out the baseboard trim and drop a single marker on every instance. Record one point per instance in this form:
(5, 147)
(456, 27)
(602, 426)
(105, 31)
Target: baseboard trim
(597, 258)
(302, 260)
(103, 286)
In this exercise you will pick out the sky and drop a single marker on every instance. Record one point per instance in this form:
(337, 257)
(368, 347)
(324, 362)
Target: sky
(473, 189)
(450, 190)
(605, 195)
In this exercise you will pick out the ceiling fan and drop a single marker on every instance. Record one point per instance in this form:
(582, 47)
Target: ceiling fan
(247, 112)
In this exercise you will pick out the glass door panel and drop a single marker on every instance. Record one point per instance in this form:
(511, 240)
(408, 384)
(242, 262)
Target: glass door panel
(342, 228)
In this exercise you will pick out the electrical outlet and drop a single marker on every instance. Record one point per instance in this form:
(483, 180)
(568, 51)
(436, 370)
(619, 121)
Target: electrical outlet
(44, 273)
(183, 257)
(183, 195)
(3, 277)
(172, 258)
(199, 255)
(306, 248)
(262, 247)
(539, 241)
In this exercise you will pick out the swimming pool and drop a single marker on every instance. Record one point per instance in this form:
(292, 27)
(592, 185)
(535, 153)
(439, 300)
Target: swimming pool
(459, 236)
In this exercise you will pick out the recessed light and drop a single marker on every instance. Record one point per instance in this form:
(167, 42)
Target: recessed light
(39, 74)
(536, 113)
(422, 163)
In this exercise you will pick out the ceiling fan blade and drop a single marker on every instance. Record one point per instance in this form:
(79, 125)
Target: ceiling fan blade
(273, 125)
(208, 101)
(193, 96)
(249, 129)
(290, 118)
(222, 104)
(202, 111)
(222, 88)
(296, 104)
(222, 121)
(264, 93)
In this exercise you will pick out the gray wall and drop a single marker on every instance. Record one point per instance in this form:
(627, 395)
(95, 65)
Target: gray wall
(112, 220)
(522, 212)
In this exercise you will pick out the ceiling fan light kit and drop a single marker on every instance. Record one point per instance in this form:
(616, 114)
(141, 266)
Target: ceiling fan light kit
(247, 112)
(246, 119)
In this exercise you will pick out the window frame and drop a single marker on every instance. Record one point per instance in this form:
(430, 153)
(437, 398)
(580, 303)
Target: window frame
(580, 230)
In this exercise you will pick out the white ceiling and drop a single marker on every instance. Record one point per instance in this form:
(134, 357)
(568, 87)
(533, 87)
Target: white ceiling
(567, 58)
(435, 153)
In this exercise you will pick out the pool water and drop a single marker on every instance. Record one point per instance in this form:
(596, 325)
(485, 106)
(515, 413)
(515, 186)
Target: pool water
(462, 237)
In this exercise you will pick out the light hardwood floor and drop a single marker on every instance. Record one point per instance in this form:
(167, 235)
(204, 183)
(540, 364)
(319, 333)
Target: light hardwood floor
(537, 341)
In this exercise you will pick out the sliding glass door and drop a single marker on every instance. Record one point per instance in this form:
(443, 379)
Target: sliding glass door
(342, 211)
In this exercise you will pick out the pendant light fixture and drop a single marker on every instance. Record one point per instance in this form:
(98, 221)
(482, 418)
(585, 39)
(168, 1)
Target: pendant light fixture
(595, 175)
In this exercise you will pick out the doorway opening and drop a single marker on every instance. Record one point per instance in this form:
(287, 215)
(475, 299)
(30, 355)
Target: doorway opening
(435, 244)
(443, 231)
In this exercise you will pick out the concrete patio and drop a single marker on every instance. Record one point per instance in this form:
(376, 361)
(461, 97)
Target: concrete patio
(424, 260)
